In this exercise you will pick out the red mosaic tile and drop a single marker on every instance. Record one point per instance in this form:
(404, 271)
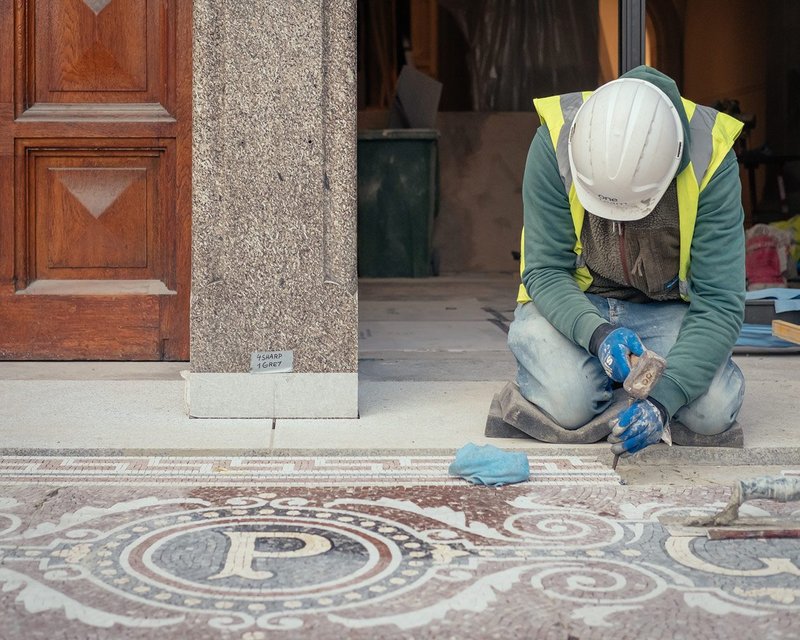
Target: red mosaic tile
(133, 559)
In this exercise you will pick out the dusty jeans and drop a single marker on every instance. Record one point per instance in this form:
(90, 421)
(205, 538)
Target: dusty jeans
(569, 384)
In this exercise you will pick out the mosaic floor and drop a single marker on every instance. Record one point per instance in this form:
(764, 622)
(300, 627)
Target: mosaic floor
(381, 547)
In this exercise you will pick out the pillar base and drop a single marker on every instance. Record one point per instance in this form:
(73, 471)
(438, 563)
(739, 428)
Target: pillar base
(290, 395)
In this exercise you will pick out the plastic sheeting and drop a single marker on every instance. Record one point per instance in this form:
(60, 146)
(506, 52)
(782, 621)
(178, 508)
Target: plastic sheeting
(758, 338)
(786, 299)
(523, 49)
(767, 259)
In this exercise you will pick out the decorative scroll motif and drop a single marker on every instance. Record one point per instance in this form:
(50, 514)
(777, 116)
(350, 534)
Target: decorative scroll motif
(270, 562)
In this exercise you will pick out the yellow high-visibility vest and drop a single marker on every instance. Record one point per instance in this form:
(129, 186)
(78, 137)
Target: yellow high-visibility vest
(712, 135)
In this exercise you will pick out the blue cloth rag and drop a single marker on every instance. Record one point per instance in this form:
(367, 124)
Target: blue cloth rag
(489, 465)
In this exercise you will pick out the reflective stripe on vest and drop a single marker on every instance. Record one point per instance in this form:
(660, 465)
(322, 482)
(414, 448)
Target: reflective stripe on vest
(711, 136)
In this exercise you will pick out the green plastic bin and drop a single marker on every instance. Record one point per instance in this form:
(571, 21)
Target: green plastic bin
(398, 198)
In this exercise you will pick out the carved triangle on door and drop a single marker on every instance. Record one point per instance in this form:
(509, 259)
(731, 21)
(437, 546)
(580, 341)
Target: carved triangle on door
(96, 194)
(97, 5)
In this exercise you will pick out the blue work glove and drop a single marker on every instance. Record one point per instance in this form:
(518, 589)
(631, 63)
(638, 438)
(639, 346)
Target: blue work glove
(615, 353)
(636, 427)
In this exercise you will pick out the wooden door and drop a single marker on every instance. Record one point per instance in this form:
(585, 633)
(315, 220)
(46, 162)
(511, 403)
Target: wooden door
(95, 179)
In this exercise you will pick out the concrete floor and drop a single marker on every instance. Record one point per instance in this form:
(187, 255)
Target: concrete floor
(433, 353)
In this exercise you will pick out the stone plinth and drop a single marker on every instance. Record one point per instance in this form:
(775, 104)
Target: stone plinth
(274, 211)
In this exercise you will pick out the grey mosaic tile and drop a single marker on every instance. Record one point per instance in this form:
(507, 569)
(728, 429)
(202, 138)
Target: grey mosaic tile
(133, 560)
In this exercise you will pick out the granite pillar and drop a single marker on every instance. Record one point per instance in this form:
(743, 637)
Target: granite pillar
(274, 208)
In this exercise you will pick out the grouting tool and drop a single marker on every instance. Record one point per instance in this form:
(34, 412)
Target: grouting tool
(645, 373)
(727, 524)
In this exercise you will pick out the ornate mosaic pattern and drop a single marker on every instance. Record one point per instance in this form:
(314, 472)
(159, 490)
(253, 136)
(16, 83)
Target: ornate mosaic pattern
(430, 561)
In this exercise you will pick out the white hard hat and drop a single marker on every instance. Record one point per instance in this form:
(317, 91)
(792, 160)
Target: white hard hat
(625, 146)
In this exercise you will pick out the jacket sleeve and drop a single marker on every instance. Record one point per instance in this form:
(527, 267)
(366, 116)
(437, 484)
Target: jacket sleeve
(549, 241)
(717, 292)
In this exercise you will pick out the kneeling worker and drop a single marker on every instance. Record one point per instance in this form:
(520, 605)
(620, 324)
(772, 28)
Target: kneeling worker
(633, 238)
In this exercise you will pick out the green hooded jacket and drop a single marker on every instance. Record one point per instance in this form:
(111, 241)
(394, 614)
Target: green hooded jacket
(717, 281)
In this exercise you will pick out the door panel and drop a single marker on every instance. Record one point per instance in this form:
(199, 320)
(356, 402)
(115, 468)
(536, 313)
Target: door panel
(95, 175)
(87, 53)
(94, 214)
(118, 327)
(90, 218)
(97, 51)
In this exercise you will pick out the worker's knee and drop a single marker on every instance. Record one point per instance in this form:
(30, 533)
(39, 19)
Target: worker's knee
(569, 403)
(717, 409)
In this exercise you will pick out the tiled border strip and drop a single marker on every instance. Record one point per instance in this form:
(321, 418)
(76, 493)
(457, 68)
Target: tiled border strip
(279, 471)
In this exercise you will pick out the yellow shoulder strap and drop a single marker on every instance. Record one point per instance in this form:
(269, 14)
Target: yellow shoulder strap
(550, 114)
(726, 130)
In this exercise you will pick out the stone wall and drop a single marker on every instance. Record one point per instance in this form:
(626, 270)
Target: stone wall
(483, 161)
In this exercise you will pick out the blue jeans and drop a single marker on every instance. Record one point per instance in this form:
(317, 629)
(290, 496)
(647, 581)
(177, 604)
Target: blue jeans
(568, 383)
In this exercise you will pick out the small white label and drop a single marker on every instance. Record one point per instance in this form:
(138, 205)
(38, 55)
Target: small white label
(271, 361)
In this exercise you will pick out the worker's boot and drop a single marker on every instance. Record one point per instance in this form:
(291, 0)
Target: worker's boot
(512, 416)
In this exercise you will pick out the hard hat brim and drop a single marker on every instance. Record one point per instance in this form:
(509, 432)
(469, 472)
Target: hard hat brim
(615, 212)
